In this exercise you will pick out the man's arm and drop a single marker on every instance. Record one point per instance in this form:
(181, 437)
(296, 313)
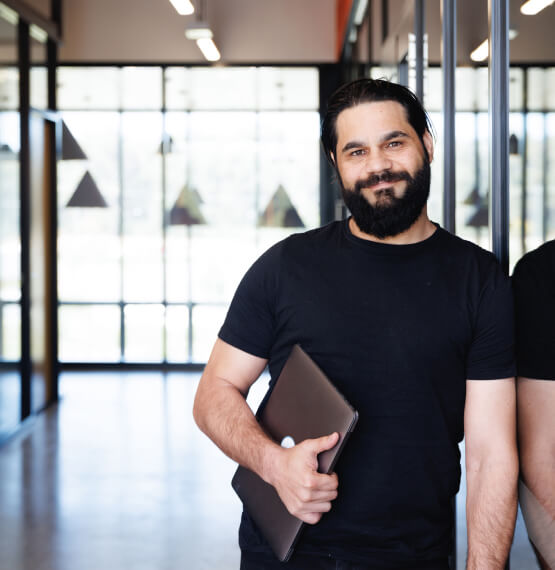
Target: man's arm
(491, 471)
(536, 437)
(221, 412)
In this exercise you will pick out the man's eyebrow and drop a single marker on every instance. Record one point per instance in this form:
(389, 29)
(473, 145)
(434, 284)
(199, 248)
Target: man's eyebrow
(352, 144)
(393, 135)
(386, 137)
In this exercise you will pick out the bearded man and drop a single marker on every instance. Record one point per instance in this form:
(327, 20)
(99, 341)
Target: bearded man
(413, 325)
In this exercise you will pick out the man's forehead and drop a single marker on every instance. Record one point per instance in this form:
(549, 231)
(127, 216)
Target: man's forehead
(372, 117)
(374, 109)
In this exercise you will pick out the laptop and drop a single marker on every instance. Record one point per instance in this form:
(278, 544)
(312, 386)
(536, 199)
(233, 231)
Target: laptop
(302, 404)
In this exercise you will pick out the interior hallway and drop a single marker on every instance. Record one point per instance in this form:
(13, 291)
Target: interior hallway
(118, 477)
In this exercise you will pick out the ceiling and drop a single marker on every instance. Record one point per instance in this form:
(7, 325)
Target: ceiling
(269, 31)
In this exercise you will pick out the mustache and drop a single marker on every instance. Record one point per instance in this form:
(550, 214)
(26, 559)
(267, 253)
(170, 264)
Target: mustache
(385, 176)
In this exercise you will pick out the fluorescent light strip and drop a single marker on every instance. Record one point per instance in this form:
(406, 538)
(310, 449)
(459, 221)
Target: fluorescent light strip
(481, 53)
(532, 7)
(9, 15)
(183, 7)
(360, 11)
(198, 32)
(208, 49)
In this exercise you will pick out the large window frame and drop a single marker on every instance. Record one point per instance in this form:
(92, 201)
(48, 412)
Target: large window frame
(191, 306)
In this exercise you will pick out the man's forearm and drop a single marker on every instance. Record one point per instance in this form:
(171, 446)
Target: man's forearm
(491, 508)
(223, 414)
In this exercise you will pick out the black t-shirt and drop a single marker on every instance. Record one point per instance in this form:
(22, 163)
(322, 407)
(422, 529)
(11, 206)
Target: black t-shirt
(398, 329)
(534, 292)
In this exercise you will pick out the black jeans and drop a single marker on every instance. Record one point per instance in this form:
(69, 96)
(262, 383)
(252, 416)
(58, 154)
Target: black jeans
(267, 561)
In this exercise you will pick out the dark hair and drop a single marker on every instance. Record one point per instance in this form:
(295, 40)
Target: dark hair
(367, 91)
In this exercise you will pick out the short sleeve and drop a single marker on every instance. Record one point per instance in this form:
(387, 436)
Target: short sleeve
(250, 321)
(491, 354)
(534, 291)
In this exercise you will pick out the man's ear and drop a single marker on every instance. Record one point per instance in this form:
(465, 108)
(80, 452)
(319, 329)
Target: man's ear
(332, 159)
(428, 143)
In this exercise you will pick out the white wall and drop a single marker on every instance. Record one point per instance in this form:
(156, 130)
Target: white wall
(246, 31)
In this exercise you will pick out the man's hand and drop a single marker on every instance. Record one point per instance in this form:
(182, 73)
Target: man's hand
(306, 493)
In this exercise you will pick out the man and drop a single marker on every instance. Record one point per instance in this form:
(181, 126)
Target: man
(534, 290)
(408, 322)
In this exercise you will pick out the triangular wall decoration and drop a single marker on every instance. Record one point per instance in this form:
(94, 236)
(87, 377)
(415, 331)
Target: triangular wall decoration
(186, 210)
(480, 218)
(280, 212)
(87, 194)
(70, 147)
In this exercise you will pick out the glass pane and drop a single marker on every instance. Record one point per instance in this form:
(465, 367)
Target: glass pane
(535, 172)
(516, 188)
(9, 88)
(283, 88)
(224, 88)
(11, 332)
(143, 333)
(435, 201)
(550, 88)
(536, 89)
(89, 333)
(177, 81)
(141, 88)
(88, 88)
(10, 274)
(89, 248)
(289, 150)
(177, 333)
(207, 321)
(550, 176)
(433, 89)
(218, 261)
(516, 89)
(38, 75)
(142, 207)
(472, 151)
(222, 163)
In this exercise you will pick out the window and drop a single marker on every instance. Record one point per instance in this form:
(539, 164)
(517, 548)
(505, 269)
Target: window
(201, 169)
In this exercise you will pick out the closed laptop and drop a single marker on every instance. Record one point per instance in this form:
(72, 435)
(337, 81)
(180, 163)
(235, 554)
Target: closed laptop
(303, 404)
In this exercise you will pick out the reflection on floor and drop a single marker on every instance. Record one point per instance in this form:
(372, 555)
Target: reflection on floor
(118, 477)
(10, 401)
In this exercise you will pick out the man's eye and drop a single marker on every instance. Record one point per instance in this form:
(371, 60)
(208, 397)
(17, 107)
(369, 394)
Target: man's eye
(393, 144)
(358, 152)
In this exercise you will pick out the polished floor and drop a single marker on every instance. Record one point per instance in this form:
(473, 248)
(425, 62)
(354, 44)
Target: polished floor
(117, 477)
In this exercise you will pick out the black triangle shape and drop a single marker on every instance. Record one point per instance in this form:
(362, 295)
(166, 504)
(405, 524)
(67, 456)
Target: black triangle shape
(70, 147)
(87, 194)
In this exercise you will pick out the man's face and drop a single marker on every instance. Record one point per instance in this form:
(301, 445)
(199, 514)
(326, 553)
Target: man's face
(382, 167)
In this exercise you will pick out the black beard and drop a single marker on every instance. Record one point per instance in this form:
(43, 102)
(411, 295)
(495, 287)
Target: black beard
(390, 216)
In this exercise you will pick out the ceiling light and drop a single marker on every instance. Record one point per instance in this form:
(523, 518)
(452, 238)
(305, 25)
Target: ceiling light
(183, 7)
(532, 7)
(208, 49)
(9, 15)
(202, 34)
(198, 30)
(360, 11)
(481, 53)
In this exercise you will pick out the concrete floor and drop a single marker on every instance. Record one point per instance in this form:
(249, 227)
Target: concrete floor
(117, 476)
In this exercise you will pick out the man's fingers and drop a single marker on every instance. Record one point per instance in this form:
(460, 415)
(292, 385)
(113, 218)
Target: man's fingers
(310, 496)
(324, 443)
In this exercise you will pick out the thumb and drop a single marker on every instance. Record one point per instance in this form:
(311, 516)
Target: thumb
(326, 442)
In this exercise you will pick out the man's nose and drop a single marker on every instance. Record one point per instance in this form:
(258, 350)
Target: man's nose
(377, 161)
